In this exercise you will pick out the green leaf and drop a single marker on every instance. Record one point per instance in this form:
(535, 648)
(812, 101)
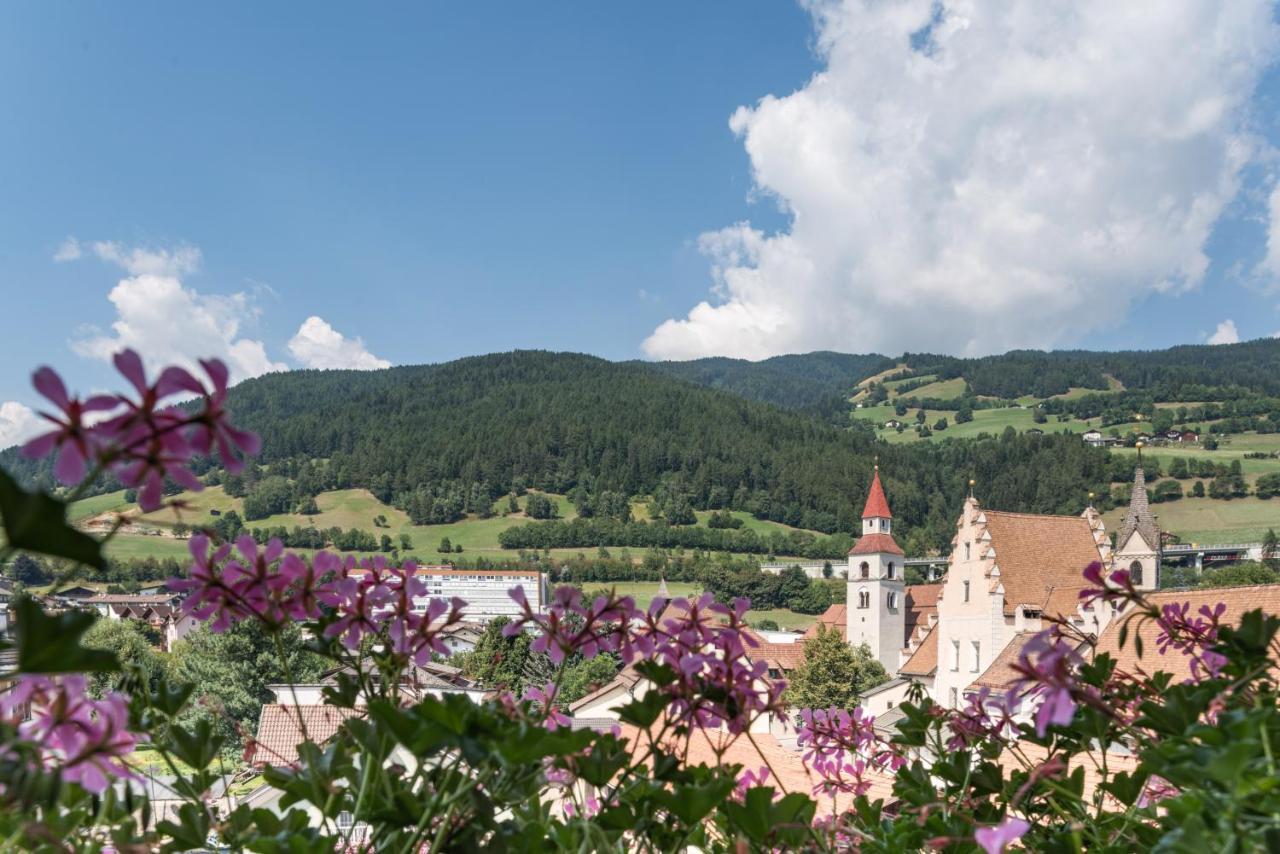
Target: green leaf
(51, 644)
(197, 748)
(644, 711)
(37, 522)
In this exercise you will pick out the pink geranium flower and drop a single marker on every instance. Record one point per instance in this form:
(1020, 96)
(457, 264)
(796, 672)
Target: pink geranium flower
(995, 839)
(72, 437)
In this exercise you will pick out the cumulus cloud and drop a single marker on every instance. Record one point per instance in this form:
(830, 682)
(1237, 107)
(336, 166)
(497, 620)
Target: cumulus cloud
(974, 176)
(18, 423)
(1226, 333)
(68, 250)
(169, 322)
(139, 261)
(319, 345)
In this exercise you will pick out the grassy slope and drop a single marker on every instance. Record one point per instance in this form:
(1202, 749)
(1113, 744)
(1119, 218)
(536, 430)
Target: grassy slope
(349, 508)
(1207, 520)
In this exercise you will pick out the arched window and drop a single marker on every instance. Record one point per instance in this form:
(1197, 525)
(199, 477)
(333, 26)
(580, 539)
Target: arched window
(864, 599)
(891, 569)
(864, 570)
(1135, 573)
(892, 601)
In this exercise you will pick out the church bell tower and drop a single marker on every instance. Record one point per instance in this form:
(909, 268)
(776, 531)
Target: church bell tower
(874, 601)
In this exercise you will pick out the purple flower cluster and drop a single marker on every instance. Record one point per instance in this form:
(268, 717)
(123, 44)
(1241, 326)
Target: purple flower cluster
(841, 747)
(983, 718)
(705, 644)
(1047, 664)
(1193, 635)
(367, 597)
(83, 738)
(144, 438)
(569, 626)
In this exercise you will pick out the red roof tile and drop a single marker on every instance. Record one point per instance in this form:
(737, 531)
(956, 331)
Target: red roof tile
(1039, 554)
(279, 731)
(924, 661)
(835, 618)
(875, 544)
(1237, 599)
(877, 505)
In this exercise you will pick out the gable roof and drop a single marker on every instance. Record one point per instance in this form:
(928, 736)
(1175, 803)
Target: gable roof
(1036, 555)
(1138, 517)
(877, 506)
(279, 733)
(626, 679)
(924, 661)
(922, 603)
(1237, 599)
(835, 618)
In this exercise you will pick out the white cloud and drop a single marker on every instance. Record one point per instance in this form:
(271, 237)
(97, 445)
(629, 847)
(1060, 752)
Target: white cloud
(18, 423)
(68, 250)
(168, 322)
(1226, 333)
(319, 345)
(174, 263)
(1016, 178)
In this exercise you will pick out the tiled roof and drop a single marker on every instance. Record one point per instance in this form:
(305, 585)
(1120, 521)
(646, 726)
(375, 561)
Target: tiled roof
(1039, 554)
(759, 750)
(922, 603)
(924, 661)
(835, 618)
(877, 505)
(1237, 599)
(131, 599)
(1000, 675)
(627, 678)
(280, 733)
(779, 656)
(870, 544)
(1138, 517)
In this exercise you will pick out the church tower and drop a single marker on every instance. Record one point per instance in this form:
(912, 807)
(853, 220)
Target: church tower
(1138, 540)
(874, 600)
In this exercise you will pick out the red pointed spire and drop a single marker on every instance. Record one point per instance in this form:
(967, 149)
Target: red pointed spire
(877, 505)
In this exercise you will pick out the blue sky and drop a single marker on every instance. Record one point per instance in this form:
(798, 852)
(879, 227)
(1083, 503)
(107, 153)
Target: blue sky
(438, 180)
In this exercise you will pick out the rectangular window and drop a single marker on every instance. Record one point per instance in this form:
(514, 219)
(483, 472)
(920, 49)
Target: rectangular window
(977, 655)
(955, 655)
(955, 698)
(966, 591)
(966, 551)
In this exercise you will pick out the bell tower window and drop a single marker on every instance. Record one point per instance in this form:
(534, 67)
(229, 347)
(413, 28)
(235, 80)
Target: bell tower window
(1135, 573)
(864, 570)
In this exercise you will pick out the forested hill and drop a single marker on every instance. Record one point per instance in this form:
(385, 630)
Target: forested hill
(819, 382)
(1178, 373)
(452, 438)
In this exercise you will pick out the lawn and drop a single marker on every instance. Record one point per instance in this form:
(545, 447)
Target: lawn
(785, 618)
(140, 546)
(87, 507)
(992, 421)
(1231, 448)
(942, 389)
(644, 591)
(1209, 520)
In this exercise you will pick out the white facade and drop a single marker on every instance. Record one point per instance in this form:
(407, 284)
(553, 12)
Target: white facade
(875, 598)
(486, 591)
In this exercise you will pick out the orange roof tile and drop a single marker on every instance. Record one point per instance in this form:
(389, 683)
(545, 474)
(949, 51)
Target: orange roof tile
(1237, 599)
(924, 661)
(779, 656)
(1039, 554)
(877, 505)
(758, 750)
(922, 603)
(1000, 675)
(874, 544)
(280, 733)
(835, 618)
